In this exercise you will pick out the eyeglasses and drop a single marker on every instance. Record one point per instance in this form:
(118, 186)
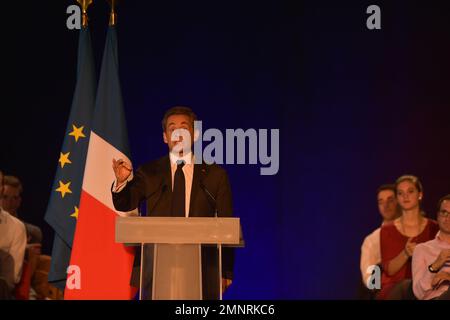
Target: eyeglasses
(444, 213)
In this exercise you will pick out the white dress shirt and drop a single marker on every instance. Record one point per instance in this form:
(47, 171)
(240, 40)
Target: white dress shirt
(370, 253)
(13, 240)
(188, 170)
(425, 254)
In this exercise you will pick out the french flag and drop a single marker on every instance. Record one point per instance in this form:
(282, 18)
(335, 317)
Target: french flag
(100, 268)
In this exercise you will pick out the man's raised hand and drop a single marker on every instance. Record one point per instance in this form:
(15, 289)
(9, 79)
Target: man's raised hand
(122, 170)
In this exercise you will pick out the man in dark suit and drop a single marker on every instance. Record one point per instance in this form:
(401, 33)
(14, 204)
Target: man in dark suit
(175, 186)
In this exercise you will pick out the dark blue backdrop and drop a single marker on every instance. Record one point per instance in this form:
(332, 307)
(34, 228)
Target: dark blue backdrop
(355, 109)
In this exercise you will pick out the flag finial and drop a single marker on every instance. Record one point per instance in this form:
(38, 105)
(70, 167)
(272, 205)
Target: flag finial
(84, 6)
(112, 13)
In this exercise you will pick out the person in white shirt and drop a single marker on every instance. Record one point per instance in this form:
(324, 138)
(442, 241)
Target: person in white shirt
(431, 260)
(13, 241)
(370, 249)
(11, 201)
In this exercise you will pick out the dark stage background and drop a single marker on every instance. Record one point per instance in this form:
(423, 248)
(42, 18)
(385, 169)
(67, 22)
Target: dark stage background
(355, 108)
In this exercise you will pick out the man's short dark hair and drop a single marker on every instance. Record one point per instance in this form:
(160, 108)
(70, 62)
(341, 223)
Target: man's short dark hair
(13, 182)
(444, 198)
(384, 187)
(178, 110)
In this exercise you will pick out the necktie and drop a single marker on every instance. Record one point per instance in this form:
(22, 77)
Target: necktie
(179, 192)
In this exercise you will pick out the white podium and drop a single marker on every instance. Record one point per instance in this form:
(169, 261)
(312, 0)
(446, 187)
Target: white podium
(177, 254)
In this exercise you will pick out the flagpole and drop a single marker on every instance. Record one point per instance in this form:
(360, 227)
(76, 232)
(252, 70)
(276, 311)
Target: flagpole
(84, 6)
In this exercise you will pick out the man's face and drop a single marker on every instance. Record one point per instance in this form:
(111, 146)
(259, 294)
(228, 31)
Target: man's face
(177, 127)
(11, 199)
(444, 222)
(387, 204)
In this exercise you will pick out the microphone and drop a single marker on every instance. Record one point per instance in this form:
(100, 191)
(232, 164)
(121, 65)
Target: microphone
(212, 201)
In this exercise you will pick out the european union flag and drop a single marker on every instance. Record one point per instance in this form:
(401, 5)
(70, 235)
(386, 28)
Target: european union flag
(62, 210)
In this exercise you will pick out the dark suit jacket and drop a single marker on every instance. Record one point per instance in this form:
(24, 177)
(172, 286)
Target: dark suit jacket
(153, 182)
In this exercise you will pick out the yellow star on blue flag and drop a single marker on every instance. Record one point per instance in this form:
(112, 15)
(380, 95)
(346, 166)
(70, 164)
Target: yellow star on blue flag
(75, 214)
(64, 158)
(64, 188)
(77, 132)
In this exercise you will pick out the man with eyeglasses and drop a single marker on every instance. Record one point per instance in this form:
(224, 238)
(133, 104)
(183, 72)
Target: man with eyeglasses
(431, 260)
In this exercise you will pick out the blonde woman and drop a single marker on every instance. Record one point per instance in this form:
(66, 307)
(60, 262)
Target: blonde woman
(399, 238)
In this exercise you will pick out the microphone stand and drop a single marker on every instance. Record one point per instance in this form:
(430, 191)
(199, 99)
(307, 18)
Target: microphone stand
(219, 245)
